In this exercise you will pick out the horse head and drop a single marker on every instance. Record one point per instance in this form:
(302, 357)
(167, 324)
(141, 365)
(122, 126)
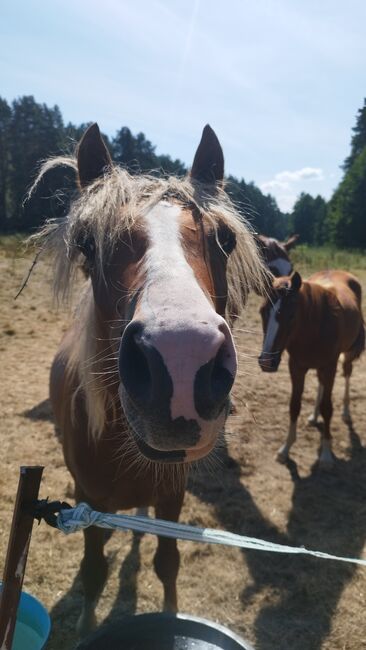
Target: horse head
(159, 277)
(278, 317)
(275, 253)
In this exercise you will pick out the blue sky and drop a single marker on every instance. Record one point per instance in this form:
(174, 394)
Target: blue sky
(280, 81)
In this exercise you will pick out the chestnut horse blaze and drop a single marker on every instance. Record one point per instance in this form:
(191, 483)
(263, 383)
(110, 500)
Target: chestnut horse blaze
(315, 321)
(140, 384)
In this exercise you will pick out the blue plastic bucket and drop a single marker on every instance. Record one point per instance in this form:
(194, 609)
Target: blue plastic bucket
(33, 624)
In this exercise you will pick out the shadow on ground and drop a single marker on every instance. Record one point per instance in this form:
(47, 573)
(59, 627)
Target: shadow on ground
(41, 411)
(328, 514)
(65, 613)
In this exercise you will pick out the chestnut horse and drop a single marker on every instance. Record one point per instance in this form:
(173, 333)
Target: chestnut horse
(140, 384)
(315, 321)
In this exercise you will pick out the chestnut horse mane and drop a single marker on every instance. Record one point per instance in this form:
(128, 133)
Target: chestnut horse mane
(112, 204)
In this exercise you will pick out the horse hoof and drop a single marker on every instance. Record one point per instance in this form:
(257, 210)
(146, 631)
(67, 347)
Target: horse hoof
(346, 417)
(282, 457)
(312, 420)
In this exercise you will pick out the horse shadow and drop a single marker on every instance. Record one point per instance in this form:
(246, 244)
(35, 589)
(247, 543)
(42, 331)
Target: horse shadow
(41, 411)
(65, 612)
(327, 514)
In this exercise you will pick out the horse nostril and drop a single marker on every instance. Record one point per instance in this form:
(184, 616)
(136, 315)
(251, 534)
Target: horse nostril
(220, 375)
(213, 383)
(134, 368)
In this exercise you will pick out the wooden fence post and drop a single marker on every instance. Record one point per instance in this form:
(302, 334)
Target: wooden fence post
(17, 553)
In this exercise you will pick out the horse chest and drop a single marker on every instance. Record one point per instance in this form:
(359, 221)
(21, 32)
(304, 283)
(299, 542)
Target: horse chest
(113, 476)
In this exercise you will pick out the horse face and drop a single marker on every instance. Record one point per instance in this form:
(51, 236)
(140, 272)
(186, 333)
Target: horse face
(177, 360)
(278, 314)
(164, 285)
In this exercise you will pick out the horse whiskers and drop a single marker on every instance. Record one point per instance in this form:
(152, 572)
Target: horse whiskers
(243, 330)
(110, 357)
(118, 321)
(253, 354)
(97, 358)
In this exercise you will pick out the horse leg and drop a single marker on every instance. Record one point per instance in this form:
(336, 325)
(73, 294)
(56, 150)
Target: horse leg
(297, 375)
(347, 372)
(93, 570)
(313, 418)
(166, 560)
(326, 376)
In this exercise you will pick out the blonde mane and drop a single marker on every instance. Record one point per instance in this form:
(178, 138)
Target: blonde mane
(105, 210)
(112, 204)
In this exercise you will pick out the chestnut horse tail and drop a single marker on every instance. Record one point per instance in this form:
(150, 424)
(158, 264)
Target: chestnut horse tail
(358, 345)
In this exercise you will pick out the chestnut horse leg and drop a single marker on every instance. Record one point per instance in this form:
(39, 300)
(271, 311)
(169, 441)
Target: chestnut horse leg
(297, 374)
(347, 372)
(166, 560)
(313, 418)
(326, 378)
(93, 570)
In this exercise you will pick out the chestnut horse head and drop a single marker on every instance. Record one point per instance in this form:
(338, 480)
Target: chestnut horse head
(278, 317)
(168, 260)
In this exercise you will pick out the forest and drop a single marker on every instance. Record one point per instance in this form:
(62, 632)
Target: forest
(31, 132)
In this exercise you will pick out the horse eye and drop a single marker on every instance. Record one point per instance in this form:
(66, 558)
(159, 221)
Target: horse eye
(87, 246)
(227, 239)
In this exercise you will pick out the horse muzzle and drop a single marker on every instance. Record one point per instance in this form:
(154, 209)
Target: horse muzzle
(175, 389)
(269, 361)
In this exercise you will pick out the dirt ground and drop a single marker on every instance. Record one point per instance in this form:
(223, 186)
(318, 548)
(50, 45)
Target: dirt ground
(278, 602)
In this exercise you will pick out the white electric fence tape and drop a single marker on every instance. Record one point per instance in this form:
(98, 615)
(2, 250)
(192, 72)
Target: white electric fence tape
(82, 516)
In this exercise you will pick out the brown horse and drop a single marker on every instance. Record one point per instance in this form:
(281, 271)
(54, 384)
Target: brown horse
(140, 385)
(315, 321)
(275, 253)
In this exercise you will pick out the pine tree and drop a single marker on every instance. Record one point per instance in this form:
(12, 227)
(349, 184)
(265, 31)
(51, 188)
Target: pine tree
(5, 117)
(347, 208)
(358, 142)
(308, 219)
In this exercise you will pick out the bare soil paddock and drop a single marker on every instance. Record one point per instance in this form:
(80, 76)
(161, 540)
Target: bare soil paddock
(276, 601)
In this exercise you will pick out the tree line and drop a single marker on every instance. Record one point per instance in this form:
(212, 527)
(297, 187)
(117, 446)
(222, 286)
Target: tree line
(342, 220)
(30, 132)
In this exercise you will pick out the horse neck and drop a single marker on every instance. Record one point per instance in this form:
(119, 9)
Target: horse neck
(315, 307)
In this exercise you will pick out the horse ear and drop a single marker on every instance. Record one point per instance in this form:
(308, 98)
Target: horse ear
(291, 242)
(296, 281)
(92, 156)
(208, 163)
(259, 240)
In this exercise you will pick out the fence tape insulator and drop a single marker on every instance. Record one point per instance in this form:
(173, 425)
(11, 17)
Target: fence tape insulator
(82, 516)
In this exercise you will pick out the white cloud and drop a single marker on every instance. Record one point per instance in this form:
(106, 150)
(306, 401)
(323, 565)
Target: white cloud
(300, 174)
(287, 185)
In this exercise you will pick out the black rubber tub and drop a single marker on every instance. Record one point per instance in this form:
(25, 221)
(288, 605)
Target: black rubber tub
(162, 631)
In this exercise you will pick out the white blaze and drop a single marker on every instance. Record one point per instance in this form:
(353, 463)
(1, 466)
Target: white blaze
(272, 327)
(184, 326)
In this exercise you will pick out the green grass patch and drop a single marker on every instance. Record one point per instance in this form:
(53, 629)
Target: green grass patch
(309, 259)
(12, 245)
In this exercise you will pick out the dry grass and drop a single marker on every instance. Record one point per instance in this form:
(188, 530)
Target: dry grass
(278, 602)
